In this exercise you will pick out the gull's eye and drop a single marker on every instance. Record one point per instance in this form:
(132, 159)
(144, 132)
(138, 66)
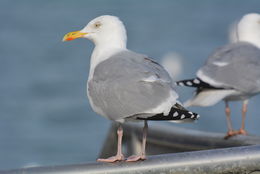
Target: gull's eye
(97, 24)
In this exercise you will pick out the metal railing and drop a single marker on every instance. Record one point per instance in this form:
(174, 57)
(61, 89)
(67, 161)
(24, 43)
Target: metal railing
(197, 153)
(163, 139)
(240, 160)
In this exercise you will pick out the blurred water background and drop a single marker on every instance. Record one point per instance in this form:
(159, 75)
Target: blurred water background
(45, 117)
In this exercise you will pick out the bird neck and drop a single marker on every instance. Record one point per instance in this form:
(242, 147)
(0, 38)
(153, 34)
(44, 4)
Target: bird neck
(251, 38)
(102, 52)
(248, 32)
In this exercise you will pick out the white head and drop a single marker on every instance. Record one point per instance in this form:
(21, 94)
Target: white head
(248, 29)
(103, 30)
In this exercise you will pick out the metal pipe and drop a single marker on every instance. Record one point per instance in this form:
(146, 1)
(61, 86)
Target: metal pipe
(242, 160)
(189, 139)
(169, 139)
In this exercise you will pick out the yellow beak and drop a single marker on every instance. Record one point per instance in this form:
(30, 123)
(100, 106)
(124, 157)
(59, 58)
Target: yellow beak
(73, 35)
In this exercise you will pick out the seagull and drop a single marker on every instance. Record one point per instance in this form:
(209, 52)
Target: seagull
(127, 86)
(230, 73)
(172, 62)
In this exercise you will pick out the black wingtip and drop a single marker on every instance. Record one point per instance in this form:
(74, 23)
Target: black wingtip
(174, 115)
(197, 83)
(190, 82)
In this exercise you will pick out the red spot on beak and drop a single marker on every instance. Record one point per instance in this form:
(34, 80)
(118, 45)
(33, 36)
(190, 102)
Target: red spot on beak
(69, 38)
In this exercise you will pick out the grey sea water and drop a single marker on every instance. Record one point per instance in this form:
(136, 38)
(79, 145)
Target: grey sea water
(45, 117)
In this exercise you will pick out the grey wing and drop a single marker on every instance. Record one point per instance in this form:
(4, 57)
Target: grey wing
(128, 84)
(234, 66)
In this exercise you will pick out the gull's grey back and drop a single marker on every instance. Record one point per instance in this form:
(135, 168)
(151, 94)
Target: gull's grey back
(235, 66)
(120, 89)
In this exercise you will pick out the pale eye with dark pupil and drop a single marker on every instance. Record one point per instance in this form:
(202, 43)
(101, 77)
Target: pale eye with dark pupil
(97, 25)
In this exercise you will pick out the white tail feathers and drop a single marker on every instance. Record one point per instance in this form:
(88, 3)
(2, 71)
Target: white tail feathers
(209, 97)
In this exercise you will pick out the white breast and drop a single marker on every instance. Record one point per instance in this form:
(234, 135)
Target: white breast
(99, 54)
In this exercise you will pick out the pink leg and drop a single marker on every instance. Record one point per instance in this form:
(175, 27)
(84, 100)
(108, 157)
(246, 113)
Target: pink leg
(142, 156)
(119, 156)
(244, 110)
(230, 132)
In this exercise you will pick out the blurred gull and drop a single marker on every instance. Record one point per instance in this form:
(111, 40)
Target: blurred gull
(231, 73)
(173, 64)
(124, 85)
(232, 32)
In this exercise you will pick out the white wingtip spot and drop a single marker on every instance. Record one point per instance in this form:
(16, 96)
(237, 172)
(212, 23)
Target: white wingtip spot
(196, 81)
(182, 116)
(192, 116)
(180, 84)
(189, 83)
(175, 114)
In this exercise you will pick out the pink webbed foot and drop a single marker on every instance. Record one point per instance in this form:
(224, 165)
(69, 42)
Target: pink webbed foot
(230, 134)
(242, 132)
(112, 159)
(136, 158)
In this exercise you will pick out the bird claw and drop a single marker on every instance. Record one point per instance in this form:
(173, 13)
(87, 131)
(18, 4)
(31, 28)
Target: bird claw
(230, 134)
(242, 132)
(136, 158)
(233, 133)
(112, 159)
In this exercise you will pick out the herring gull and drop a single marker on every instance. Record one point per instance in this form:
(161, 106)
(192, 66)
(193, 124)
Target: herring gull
(124, 85)
(172, 62)
(231, 73)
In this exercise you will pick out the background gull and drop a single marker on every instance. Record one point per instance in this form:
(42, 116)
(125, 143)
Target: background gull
(124, 85)
(232, 32)
(172, 62)
(232, 72)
